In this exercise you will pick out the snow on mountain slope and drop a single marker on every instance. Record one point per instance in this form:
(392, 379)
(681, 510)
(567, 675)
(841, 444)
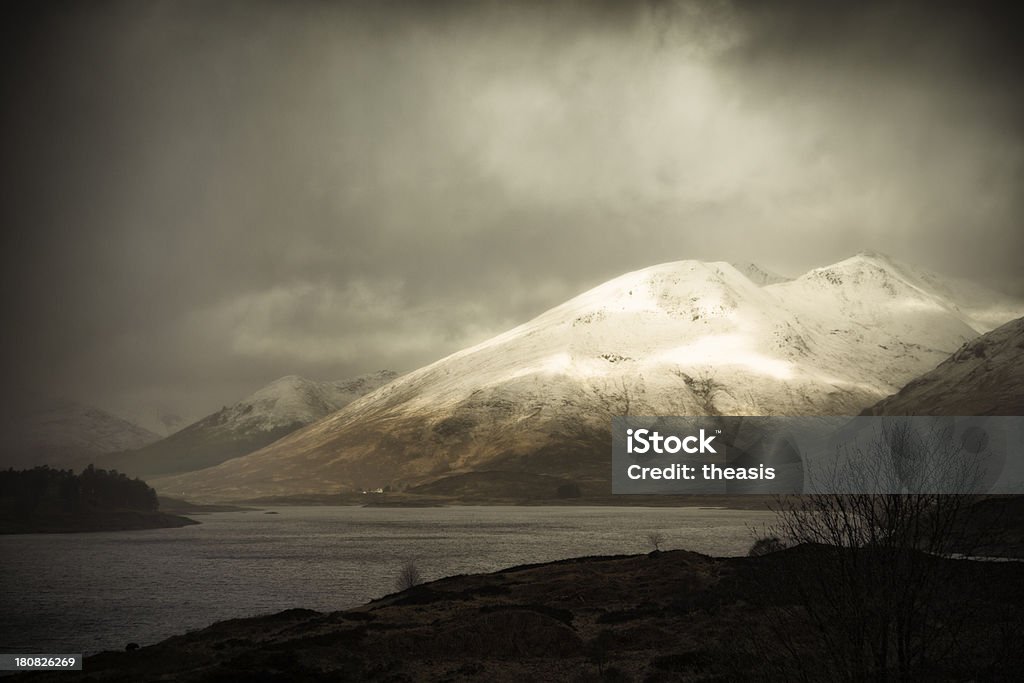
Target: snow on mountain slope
(759, 275)
(881, 318)
(678, 338)
(294, 400)
(873, 290)
(62, 433)
(984, 377)
(277, 409)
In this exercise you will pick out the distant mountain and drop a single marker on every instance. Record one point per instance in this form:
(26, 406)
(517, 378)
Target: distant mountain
(872, 288)
(759, 275)
(274, 411)
(61, 433)
(687, 338)
(158, 419)
(984, 377)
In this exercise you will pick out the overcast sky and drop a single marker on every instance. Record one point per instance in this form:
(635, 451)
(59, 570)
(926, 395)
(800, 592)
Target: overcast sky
(200, 197)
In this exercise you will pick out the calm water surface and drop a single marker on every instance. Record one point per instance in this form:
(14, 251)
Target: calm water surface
(91, 592)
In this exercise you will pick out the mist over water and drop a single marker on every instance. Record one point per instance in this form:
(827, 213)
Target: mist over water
(93, 592)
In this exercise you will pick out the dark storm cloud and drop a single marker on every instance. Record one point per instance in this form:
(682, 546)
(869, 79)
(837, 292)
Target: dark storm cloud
(201, 197)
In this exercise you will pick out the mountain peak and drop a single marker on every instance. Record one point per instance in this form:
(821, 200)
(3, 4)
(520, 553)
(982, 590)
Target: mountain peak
(873, 271)
(290, 379)
(757, 274)
(59, 431)
(872, 255)
(293, 399)
(865, 258)
(679, 338)
(279, 408)
(285, 384)
(661, 286)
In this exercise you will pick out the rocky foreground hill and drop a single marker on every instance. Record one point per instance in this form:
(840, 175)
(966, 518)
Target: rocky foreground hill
(666, 616)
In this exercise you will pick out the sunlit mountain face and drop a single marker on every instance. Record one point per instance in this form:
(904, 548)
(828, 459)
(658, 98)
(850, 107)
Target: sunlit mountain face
(686, 337)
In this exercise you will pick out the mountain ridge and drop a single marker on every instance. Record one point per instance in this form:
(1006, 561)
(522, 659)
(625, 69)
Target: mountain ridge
(61, 432)
(271, 412)
(985, 376)
(685, 337)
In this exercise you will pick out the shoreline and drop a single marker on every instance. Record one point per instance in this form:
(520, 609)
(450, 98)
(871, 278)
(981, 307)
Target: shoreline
(670, 615)
(116, 520)
(385, 500)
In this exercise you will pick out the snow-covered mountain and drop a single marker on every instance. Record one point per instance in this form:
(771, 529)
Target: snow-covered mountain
(277, 409)
(38, 430)
(984, 377)
(759, 275)
(294, 400)
(687, 338)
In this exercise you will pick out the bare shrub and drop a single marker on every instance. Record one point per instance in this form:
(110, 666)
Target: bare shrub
(408, 576)
(872, 584)
(766, 545)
